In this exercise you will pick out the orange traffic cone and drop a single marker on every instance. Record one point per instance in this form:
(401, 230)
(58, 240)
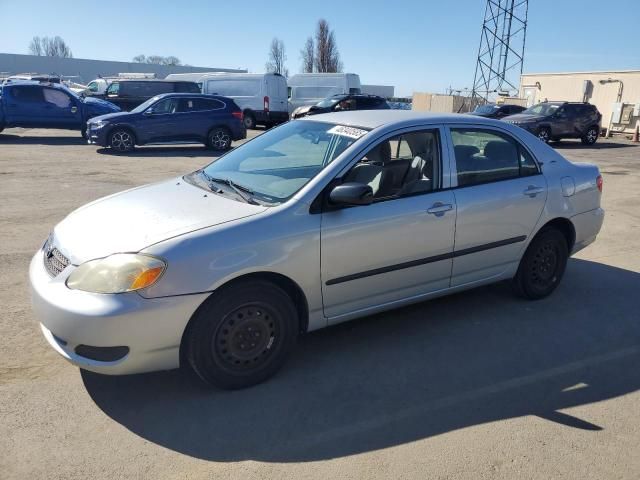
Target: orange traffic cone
(635, 138)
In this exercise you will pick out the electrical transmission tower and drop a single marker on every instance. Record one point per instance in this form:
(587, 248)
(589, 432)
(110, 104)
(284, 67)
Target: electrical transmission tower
(501, 51)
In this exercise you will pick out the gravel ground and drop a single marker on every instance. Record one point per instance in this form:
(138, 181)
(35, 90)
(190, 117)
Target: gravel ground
(473, 386)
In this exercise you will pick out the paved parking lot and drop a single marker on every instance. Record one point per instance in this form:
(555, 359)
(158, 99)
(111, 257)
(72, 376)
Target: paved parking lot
(477, 385)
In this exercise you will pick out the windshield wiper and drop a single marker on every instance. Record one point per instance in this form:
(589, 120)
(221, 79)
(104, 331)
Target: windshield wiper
(243, 192)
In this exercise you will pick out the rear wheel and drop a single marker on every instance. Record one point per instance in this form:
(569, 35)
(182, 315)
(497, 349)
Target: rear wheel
(544, 134)
(242, 335)
(121, 140)
(590, 136)
(219, 139)
(249, 120)
(542, 265)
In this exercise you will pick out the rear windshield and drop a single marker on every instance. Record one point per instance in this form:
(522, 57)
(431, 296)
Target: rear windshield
(487, 109)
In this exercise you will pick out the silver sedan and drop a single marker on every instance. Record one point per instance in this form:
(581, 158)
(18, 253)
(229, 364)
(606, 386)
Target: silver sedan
(313, 223)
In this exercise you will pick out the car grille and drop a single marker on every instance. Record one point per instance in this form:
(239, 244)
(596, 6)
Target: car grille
(55, 262)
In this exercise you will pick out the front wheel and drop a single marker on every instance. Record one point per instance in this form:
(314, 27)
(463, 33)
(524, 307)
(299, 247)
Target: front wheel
(121, 140)
(242, 335)
(542, 265)
(591, 136)
(544, 134)
(219, 139)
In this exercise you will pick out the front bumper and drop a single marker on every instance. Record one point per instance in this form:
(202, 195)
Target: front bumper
(151, 328)
(96, 136)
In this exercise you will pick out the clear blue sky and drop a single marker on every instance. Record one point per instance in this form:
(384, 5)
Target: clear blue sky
(416, 45)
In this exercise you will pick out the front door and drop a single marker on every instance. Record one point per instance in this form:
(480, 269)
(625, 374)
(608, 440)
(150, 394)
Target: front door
(61, 109)
(399, 247)
(161, 122)
(500, 197)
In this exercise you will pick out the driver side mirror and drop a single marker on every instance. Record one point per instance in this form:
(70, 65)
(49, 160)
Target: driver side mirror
(148, 111)
(351, 193)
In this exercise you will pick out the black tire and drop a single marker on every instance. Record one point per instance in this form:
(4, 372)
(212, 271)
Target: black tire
(219, 138)
(590, 136)
(83, 132)
(249, 120)
(544, 134)
(122, 140)
(220, 344)
(542, 265)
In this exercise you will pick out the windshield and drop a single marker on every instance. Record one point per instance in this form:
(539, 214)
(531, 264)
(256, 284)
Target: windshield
(542, 109)
(278, 163)
(329, 102)
(486, 109)
(143, 106)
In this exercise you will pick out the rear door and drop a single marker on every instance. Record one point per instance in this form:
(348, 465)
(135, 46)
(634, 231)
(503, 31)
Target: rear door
(276, 88)
(500, 194)
(24, 105)
(197, 116)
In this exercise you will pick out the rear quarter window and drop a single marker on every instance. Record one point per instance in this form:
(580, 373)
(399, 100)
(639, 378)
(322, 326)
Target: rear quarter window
(186, 87)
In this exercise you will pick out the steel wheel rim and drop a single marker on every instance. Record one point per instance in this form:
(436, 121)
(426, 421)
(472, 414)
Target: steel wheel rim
(246, 338)
(248, 121)
(543, 135)
(544, 267)
(220, 140)
(121, 141)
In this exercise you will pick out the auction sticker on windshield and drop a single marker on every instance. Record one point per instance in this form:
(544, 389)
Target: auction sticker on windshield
(345, 131)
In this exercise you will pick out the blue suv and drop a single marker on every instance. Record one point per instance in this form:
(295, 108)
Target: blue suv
(171, 117)
(31, 104)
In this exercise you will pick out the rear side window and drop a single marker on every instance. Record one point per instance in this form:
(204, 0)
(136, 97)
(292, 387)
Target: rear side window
(484, 156)
(234, 88)
(113, 89)
(186, 87)
(145, 89)
(200, 104)
(29, 94)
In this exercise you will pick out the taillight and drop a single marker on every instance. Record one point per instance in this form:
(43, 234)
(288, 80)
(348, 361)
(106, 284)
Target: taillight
(266, 104)
(599, 183)
(238, 115)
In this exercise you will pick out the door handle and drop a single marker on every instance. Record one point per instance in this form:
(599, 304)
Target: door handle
(74, 109)
(438, 209)
(532, 191)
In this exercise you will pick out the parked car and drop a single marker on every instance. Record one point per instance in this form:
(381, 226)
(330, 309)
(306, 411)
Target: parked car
(553, 121)
(222, 268)
(128, 94)
(33, 104)
(342, 102)
(491, 110)
(171, 117)
(311, 88)
(261, 96)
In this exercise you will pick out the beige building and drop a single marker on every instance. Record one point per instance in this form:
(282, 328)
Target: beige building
(602, 89)
(433, 102)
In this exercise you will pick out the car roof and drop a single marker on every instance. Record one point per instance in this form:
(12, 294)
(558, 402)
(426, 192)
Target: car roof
(187, 94)
(376, 118)
(150, 80)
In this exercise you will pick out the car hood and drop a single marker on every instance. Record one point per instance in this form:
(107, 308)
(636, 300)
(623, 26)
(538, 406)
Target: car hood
(525, 117)
(132, 220)
(96, 106)
(111, 116)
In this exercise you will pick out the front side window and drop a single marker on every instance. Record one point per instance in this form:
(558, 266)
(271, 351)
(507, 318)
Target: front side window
(92, 87)
(544, 109)
(278, 163)
(168, 105)
(57, 98)
(403, 165)
(113, 89)
(484, 156)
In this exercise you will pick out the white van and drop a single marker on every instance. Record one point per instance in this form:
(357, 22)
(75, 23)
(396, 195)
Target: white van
(261, 96)
(310, 88)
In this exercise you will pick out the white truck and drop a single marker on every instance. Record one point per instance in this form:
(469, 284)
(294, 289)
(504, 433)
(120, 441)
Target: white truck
(310, 88)
(262, 97)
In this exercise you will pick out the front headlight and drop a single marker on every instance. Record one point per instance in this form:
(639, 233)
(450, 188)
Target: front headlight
(119, 273)
(99, 124)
